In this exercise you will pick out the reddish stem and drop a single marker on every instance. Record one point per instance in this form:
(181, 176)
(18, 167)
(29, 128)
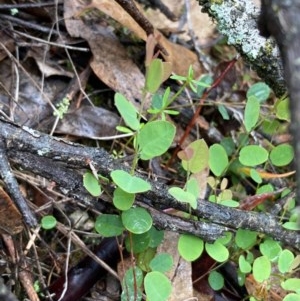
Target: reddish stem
(196, 114)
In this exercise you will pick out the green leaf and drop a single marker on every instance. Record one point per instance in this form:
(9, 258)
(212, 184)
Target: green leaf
(190, 247)
(282, 109)
(129, 183)
(127, 111)
(216, 280)
(218, 159)
(292, 297)
(252, 155)
(91, 184)
(230, 203)
(154, 75)
(192, 187)
(156, 237)
(137, 243)
(245, 238)
(137, 220)
(162, 262)
(225, 239)
(291, 284)
(155, 138)
(131, 285)
(291, 226)
(217, 251)
(285, 261)
(195, 156)
(270, 248)
(223, 111)
(122, 199)
(144, 258)
(157, 286)
(255, 176)
(282, 155)
(109, 225)
(48, 222)
(260, 90)
(183, 196)
(251, 114)
(244, 265)
(261, 268)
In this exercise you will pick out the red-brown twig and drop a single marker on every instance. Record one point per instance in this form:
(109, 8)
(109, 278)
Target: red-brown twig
(196, 114)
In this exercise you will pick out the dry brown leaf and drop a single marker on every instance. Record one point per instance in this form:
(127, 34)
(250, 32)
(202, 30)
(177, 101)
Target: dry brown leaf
(181, 272)
(89, 122)
(180, 57)
(110, 60)
(47, 66)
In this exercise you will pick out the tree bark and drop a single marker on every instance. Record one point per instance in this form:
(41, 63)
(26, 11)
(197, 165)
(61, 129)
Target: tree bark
(237, 21)
(280, 18)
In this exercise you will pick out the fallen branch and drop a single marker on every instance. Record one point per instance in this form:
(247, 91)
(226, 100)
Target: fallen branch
(62, 162)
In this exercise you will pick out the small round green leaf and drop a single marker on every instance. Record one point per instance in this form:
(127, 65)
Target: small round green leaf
(48, 222)
(109, 225)
(196, 156)
(216, 280)
(156, 237)
(270, 248)
(255, 176)
(131, 285)
(137, 243)
(190, 247)
(282, 109)
(285, 261)
(260, 90)
(251, 114)
(218, 159)
(261, 268)
(183, 196)
(137, 220)
(91, 184)
(291, 226)
(245, 238)
(252, 155)
(244, 265)
(291, 284)
(127, 111)
(282, 155)
(155, 138)
(292, 297)
(129, 183)
(162, 262)
(157, 286)
(217, 251)
(122, 199)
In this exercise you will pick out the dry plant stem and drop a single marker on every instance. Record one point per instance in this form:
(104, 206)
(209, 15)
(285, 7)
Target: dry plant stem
(196, 114)
(58, 160)
(84, 275)
(24, 273)
(28, 24)
(13, 187)
(28, 5)
(130, 7)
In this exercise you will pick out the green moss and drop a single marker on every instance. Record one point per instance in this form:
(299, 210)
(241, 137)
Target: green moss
(269, 47)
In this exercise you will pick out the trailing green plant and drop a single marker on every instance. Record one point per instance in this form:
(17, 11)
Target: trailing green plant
(228, 162)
